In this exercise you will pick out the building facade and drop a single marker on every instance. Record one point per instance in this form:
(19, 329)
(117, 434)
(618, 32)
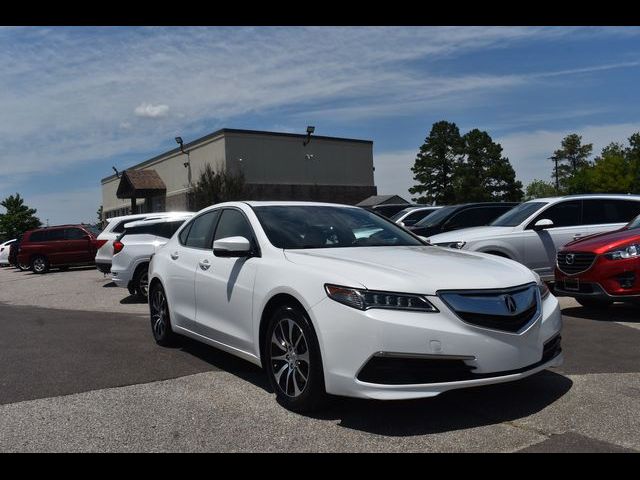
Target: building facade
(275, 166)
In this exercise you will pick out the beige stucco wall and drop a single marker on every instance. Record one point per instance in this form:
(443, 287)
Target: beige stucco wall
(278, 159)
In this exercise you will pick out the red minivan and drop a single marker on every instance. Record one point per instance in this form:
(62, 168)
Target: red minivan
(601, 269)
(60, 246)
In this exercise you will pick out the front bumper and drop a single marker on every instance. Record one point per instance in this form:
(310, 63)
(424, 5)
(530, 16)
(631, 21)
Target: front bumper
(350, 338)
(615, 280)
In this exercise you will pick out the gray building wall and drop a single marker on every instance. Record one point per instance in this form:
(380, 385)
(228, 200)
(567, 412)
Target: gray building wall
(275, 166)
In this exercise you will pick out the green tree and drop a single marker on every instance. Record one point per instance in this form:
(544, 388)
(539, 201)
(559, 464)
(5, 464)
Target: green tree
(214, 187)
(569, 159)
(539, 189)
(18, 217)
(613, 171)
(99, 213)
(632, 153)
(436, 163)
(483, 174)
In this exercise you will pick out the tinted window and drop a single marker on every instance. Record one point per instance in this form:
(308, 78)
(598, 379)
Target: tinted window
(38, 236)
(182, 238)
(474, 217)
(73, 234)
(233, 224)
(141, 230)
(167, 229)
(635, 223)
(58, 234)
(517, 215)
(436, 217)
(563, 214)
(609, 211)
(201, 232)
(329, 227)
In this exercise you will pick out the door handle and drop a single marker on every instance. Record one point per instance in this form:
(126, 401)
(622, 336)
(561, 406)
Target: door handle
(174, 256)
(204, 264)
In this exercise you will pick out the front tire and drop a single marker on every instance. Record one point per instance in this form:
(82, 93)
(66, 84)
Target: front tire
(160, 317)
(293, 361)
(39, 264)
(594, 303)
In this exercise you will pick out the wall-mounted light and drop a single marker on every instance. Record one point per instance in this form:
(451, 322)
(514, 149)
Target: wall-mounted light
(310, 130)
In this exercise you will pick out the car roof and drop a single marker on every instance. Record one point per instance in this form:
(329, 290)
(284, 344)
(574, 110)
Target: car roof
(164, 219)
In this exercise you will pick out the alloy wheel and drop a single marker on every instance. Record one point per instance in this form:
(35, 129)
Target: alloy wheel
(39, 265)
(289, 357)
(159, 313)
(143, 284)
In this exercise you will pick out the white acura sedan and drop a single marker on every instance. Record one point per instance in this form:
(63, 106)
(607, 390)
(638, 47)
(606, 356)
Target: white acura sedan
(333, 299)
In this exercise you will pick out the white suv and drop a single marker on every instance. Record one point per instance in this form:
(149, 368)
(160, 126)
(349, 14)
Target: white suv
(114, 228)
(534, 231)
(135, 247)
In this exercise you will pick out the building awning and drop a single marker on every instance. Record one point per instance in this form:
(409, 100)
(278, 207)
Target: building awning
(140, 184)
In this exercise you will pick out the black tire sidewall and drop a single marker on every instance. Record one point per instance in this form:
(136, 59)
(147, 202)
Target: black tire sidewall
(314, 394)
(169, 338)
(140, 271)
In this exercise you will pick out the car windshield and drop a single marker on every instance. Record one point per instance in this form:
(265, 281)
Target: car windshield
(397, 216)
(436, 217)
(319, 226)
(635, 223)
(517, 215)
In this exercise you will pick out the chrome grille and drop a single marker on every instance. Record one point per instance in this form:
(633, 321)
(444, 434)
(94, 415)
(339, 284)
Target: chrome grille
(572, 263)
(509, 310)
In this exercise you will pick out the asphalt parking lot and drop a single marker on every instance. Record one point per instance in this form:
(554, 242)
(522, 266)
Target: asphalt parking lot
(79, 371)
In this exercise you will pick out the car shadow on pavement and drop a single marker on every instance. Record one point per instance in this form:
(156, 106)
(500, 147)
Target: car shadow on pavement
(133, 300)
(56, 270)
(226, 362)
(618, 312)
(452, 410)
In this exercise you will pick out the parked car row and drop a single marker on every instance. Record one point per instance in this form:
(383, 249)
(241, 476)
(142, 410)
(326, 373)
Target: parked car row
(334, 299)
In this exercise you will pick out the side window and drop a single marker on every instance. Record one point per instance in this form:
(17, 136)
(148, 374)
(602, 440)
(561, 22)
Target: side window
(609, 211)
(71, 234)
(473, 217)
(37, 236)
(233, 224)
(412, 218)
(167, 229)
(182, 238)
(53, 235)
(119, 228)
(201, 231)
(563, 214)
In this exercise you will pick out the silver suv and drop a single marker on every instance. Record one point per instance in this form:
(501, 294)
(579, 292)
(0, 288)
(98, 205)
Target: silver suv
(534, 231)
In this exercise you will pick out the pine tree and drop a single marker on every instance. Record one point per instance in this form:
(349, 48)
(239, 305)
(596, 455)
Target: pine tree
(18, 217)
(569, 159)
(435, 164)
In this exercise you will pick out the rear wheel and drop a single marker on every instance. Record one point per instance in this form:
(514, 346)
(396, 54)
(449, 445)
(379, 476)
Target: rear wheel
(160, 318)
(39, 264)
(141, 281)
(595, 303)
(293, 361)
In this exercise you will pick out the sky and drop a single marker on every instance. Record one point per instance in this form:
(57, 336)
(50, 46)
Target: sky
(75, 101)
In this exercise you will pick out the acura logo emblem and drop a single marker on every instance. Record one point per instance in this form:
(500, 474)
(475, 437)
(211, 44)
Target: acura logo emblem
(570, 258)
(510, 303)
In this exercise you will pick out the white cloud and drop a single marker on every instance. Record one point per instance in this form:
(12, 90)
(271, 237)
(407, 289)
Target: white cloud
(70, 99)
(149, 110)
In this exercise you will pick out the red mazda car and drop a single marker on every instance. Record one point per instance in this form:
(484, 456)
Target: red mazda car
(601, 269)
(61, 246)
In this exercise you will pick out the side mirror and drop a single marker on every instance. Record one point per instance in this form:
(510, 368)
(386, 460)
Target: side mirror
(232, 247)
(542, 224)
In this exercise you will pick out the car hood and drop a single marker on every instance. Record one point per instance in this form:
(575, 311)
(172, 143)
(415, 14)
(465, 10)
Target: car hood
(419, 269)
(468, 234)
(603, 242)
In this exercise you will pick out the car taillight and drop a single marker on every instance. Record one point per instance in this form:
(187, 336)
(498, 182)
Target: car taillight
(117, 246)
(100, 243)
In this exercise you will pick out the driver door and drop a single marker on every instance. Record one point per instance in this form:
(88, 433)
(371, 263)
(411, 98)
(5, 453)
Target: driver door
(224, 287)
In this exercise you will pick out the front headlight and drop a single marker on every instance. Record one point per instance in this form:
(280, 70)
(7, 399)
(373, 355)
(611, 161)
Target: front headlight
(542, 286)
(627, 252)
(365, 299)
(457, 245)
